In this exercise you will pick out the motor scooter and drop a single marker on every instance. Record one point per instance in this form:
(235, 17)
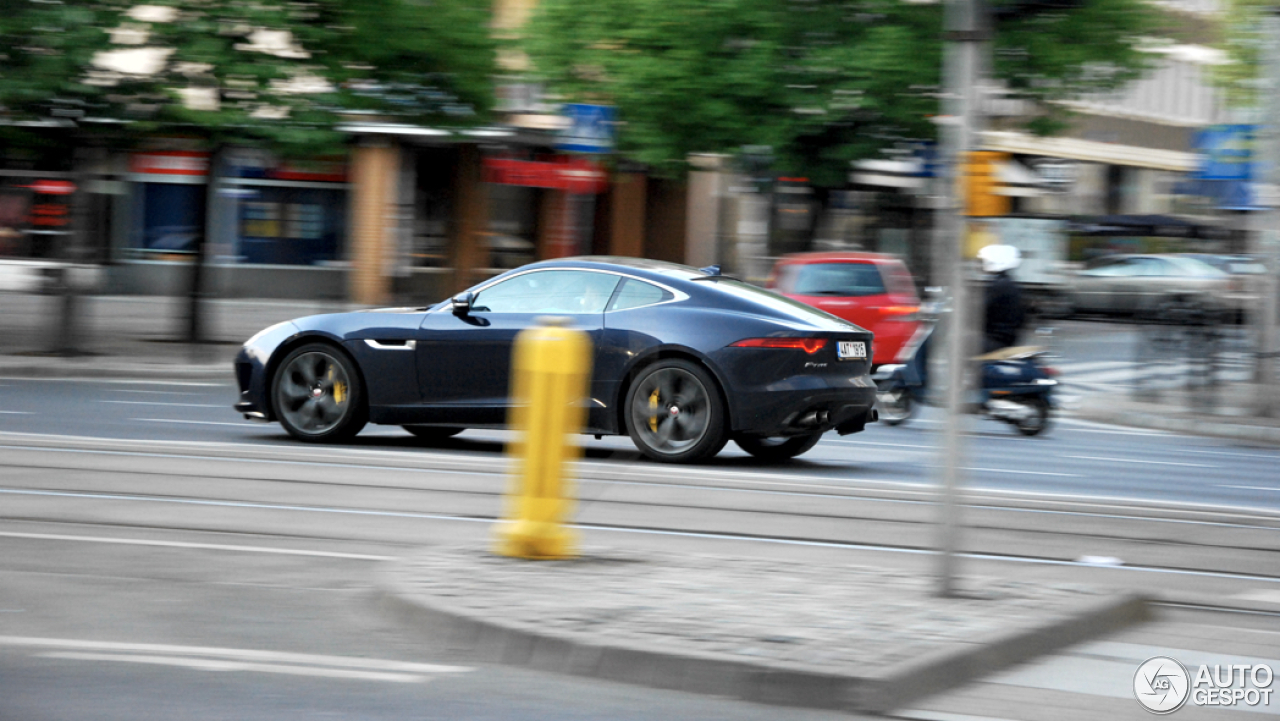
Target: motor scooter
(1016, 386)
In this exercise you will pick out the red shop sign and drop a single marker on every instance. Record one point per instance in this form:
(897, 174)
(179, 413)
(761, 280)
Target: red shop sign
(53, 187)
(170, 162)
(573, 175)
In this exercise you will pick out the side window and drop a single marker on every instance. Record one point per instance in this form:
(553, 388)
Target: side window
(636, 293)
(1120, 268)
(548, 291)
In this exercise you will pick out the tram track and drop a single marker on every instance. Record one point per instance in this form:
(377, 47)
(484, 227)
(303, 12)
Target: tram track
(384, 496)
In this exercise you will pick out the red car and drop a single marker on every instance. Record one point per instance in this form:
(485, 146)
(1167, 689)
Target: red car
(873, 290)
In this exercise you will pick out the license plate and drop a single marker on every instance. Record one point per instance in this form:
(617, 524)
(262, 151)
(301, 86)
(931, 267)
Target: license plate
(851, 350)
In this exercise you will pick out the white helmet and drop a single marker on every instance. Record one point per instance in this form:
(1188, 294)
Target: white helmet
(999, 258)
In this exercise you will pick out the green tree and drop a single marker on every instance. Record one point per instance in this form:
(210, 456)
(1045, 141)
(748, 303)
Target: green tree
(269, 72)
(822, 82)
(1244, 41)
(280, 74)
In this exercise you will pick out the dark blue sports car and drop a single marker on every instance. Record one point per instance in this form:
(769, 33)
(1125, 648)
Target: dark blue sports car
(684, 360)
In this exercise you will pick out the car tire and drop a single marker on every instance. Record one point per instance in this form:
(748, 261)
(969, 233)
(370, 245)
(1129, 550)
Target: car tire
(674, 412)
(776, 448)
(433, 433)
(318, 395)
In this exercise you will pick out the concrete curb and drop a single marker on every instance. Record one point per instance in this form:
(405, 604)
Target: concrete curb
(89, 369)
(1201, 426)
(1206, 602)
(493, 641)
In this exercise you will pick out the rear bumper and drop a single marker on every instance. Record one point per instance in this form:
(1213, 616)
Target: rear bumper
(789, 412)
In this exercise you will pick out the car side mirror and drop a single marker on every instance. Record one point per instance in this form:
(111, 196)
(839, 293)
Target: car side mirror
(462, 302)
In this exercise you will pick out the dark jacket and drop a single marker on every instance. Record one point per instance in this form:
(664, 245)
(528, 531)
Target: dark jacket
(1004, 314)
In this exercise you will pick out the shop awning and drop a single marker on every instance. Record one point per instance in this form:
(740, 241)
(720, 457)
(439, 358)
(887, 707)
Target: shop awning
(1089, 151)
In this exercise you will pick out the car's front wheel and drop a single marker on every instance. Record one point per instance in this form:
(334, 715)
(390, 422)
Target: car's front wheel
(318, 395)
(674, 413)
(776, 448)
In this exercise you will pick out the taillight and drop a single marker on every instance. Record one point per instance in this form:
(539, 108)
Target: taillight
(808, 345)
(1049, 371)
(900, 312)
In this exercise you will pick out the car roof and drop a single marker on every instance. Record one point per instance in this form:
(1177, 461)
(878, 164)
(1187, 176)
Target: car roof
(838, 256)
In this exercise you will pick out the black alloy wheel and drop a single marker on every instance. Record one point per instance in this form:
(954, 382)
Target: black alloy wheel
(433, 433)
(776, 448)
(674, 413)
(318, 395)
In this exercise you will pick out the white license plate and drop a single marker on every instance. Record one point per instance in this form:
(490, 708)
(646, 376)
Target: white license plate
(851, 350)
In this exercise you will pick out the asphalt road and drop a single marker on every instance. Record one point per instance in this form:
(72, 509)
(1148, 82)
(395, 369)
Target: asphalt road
(1074, 458)
(162, 557)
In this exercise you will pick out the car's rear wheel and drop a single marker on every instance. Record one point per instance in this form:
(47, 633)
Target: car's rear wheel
(674, 412)
(777, 448)
(318, 395)
(433, 433)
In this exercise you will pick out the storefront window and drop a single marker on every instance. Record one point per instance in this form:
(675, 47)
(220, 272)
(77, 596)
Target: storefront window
(172, 218)
(291, 226)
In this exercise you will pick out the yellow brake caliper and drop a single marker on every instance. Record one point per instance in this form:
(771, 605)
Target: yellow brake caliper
(339, 389)
(653, 411)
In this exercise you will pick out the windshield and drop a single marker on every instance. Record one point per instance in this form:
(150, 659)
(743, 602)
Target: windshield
(839, 279)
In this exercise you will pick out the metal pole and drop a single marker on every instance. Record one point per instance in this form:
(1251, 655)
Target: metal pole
(965, 34)
(1266, 232)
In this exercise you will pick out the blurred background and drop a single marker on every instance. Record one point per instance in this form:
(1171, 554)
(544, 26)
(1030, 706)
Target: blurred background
(176, 176)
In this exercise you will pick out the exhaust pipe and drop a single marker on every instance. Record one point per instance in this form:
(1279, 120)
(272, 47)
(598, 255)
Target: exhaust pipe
(812, 419)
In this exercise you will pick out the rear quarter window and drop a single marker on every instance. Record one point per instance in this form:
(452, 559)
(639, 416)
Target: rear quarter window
(637, 293)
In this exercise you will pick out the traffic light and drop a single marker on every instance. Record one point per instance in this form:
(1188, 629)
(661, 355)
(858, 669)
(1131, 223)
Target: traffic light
(980, 184)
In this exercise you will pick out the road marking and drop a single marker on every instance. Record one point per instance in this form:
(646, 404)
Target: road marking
(161, 393)
(1253, 488)
(923, 487)
(204, 664)
(241, 424)
(1025, 473)
(1263, 595)
(18, 413)
(1138, 460)
(56, 645)
(161, 403)
(649, 531)
(926, 715)
(122, 381)
(185, 544)
(1272, 457)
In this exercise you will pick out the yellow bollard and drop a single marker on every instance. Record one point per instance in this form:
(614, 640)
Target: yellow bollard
(550, 372)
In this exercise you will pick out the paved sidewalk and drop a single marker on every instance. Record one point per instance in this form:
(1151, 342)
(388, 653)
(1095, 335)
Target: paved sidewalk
(135, 337)
(791, 632)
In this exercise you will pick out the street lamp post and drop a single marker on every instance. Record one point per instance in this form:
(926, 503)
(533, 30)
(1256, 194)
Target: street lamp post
(967, 32)
(1266, 233)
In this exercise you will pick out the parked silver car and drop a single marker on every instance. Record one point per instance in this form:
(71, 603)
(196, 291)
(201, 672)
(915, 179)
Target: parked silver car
(1131, 284)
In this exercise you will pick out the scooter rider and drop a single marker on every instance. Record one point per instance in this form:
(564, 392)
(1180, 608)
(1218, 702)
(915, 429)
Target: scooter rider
(1003, 313)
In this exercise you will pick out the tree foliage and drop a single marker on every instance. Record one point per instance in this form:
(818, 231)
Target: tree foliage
(1245, 42)
(273, 72)
(822, 82)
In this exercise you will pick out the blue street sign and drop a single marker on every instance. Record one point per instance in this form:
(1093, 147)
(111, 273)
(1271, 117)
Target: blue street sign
(591, 129)
(1226, 152)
